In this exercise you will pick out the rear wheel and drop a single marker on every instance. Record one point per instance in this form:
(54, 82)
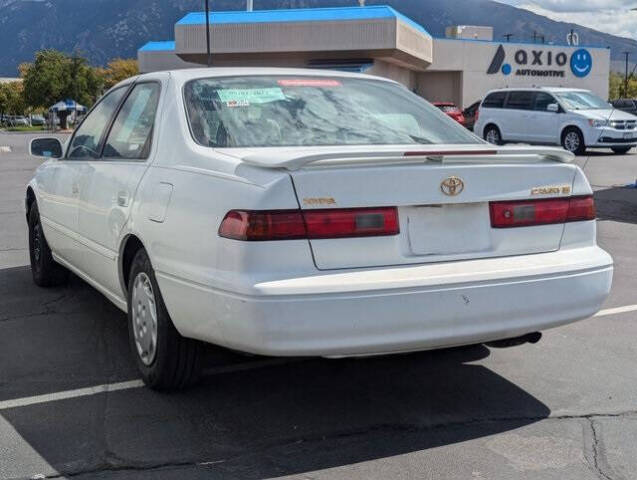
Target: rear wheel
(492, 135)
(573, 141)
(46, 272)
(166, 360)
(621, 150)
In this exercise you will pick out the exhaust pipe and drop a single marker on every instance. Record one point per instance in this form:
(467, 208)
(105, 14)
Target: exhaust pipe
(514, 342)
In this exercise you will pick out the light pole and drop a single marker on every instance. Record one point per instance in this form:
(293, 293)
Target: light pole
(209, 57)
(626, 76)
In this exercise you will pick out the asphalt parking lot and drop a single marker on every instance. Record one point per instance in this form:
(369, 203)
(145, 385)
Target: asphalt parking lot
(71, 404)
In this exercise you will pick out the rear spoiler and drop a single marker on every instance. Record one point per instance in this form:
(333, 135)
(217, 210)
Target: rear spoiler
(295, 159)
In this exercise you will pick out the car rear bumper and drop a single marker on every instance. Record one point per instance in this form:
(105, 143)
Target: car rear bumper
(394, 310)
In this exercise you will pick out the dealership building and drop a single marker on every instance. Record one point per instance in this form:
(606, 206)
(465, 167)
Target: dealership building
(378, 40)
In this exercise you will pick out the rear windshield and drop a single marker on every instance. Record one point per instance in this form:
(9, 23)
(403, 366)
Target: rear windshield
(268, 111)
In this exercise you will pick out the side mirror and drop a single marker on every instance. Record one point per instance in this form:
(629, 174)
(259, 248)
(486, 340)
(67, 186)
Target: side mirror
(46, 147)
(553, 107)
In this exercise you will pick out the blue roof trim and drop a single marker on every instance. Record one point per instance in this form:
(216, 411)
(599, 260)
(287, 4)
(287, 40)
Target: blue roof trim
(300, 15)
(166, 46)
(538, 45)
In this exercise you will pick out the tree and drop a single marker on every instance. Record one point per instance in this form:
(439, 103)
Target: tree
(616, 86)
(119, 69)
(12, 99)
(56, 76)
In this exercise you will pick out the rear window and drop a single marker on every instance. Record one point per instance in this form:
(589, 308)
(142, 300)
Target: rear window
(274, 111)
(494, 100)
(520, 100)
(448, 108)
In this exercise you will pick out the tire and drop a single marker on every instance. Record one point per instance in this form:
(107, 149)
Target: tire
(165, 359)
(573, 141)
(492, 135)
(46, 272)
(621, 150)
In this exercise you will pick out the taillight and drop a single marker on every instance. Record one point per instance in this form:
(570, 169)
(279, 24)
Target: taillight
(309, 224)
(352, 222)
(525, 213)
(476, 116)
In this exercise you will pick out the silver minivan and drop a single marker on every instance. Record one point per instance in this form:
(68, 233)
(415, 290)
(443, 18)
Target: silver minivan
(573, 118)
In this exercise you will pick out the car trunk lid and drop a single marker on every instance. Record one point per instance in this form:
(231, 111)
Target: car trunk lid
(442, 196)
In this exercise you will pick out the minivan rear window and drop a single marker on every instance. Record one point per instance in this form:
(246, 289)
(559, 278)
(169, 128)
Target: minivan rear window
(494, 100)
(520, 100)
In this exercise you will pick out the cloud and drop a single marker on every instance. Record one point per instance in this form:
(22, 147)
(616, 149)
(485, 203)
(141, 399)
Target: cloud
(610, 16)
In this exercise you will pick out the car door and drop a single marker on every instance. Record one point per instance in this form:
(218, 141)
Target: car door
(60, 188)
(518, 108)
(542, 125)
(110, 182)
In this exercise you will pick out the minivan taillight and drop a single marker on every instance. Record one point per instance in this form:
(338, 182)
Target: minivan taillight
(261, 225)
(526, 213)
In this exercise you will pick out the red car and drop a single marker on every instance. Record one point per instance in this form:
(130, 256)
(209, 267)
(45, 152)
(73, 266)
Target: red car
(451, 110)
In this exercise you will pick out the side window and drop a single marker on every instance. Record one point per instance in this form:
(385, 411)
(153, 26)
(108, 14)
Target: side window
(521, 100)
(86, 142)
(494, 100)
(132, 132)
(543, 100)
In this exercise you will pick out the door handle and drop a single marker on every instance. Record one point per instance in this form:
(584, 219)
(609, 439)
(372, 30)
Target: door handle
(75, 189)
(122, 199)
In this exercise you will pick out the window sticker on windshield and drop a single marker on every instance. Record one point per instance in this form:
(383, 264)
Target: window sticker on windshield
(309, 82)
(237, 103)
(252, 95)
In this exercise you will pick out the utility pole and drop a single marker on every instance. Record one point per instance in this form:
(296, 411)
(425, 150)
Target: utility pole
(209, 57)
(534, 36)
(508, 36)
(626, 76)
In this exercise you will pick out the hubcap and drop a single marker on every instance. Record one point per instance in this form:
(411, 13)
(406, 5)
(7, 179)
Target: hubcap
(144, 314)
(571, 141)
(493, 136)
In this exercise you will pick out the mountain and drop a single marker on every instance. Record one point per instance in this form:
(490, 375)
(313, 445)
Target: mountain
(104, 29)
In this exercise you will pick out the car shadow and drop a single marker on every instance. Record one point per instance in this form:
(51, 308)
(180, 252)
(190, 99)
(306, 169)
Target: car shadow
(617, 203)
(275, 419)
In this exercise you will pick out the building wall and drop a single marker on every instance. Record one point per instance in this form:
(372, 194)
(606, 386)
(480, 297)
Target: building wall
(156, 61)
(441, 87)
(473, 59)
(394, 72)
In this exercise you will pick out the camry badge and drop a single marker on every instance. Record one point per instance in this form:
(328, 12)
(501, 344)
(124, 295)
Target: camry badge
(452, 186)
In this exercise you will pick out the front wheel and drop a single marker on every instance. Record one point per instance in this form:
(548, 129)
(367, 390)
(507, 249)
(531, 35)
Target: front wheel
(46, 272)
(492, 135)
(573, 141)
(166, 360)
(620, 150)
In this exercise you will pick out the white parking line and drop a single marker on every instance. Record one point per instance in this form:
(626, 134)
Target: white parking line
(616, 311)
(80, 392)
(114, 387)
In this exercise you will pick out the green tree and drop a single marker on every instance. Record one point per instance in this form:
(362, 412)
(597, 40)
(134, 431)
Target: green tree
(616, 86)
(46, 79)
(12, 99)
(56, 76)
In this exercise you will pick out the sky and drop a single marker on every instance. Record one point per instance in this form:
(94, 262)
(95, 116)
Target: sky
(610, 16)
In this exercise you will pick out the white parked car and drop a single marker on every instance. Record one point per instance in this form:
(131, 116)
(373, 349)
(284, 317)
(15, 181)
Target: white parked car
(573, 118)
(302, 212)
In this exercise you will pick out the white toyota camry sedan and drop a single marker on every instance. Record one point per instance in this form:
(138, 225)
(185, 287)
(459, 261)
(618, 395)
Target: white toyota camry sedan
(308, 213)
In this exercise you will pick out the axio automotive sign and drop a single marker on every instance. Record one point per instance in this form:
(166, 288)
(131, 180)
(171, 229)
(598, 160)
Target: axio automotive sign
(533, 62)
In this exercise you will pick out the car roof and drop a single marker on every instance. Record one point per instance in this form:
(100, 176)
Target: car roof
(185, 75)
(539, 89)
